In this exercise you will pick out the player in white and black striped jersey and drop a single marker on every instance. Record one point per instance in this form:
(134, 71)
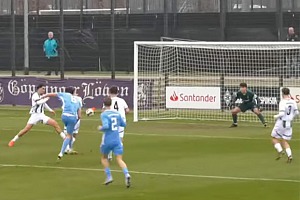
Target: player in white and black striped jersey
(38, 106)
(283, 131)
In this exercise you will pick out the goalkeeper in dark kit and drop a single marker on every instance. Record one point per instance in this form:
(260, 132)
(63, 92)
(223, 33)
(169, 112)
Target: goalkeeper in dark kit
(249, 101)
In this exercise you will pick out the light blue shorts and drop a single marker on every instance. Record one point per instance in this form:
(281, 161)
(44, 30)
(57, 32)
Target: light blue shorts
(70, 122)
(117, 149)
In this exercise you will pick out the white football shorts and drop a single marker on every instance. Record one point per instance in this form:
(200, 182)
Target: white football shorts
(279, 132)
(38, 118)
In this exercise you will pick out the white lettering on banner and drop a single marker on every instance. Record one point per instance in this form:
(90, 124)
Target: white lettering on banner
(295, 93)
(193, 97)
(90, 90)
(268, 100)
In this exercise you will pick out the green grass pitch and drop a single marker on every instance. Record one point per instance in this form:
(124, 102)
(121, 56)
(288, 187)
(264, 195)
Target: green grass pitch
(169, 160)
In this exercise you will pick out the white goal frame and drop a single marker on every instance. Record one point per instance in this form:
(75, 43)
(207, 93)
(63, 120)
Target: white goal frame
(192, 44)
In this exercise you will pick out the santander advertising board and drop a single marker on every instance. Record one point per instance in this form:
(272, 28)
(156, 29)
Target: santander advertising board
(193, 97)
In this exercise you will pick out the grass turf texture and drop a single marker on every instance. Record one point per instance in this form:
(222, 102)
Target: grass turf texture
(176, 159)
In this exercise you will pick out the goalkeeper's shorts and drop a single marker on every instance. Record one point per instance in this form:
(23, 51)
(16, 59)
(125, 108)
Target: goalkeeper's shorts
(247, 106)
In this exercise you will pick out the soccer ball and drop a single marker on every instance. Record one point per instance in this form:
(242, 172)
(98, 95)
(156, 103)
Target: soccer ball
(90, 112)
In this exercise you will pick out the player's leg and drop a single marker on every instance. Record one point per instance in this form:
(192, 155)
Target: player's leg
(33, 120)
(70, 150)
(259, 115)
(234, 113)
(118, 151)
(51, 122)
(288, 150)
(276, 141)
(25, 130)
(70, 124)
(104, 149)
(287, 136)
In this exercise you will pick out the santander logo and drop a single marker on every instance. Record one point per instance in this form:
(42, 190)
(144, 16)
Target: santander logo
(174, 97)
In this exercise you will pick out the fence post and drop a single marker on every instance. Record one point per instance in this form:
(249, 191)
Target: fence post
(279, 16)
(81, 14)
(26, 42)
(127, 14)
(223, 13)
(13, 38)
(62, 41)
(166, 19)
(112, 53)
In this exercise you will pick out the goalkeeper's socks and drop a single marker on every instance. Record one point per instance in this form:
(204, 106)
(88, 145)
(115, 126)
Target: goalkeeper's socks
(261, 118)
(234, 118)
(278, 147)
(65, 144)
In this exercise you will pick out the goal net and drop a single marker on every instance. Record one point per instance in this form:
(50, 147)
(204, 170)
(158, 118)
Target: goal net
(198, 80)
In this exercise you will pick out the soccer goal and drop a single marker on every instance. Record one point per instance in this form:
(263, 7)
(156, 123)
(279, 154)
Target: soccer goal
(197, 80)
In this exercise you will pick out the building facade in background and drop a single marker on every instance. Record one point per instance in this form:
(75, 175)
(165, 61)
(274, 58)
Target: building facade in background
(155, 6)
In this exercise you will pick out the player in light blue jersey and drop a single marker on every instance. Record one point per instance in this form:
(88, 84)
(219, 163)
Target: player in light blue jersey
(70, 115)
(111, 121)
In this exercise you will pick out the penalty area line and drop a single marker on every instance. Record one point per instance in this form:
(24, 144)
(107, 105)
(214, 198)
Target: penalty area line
(155, 173)
(167, 135)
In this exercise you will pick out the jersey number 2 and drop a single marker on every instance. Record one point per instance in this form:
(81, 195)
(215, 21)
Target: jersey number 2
(114, 124)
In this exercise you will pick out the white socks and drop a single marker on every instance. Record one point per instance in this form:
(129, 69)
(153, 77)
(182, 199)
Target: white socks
(278, 147)
(288, 152)
(62, 135)
(15, 138)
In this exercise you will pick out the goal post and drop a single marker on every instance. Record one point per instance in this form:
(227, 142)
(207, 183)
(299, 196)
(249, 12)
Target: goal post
(197, 80)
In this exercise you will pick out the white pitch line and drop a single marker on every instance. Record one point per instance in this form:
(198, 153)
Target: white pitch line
(157, 173)
(168, 135)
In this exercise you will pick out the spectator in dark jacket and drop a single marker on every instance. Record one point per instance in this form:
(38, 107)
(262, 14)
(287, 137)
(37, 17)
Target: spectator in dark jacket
(292, 36)
(51, 53)
(292, 59)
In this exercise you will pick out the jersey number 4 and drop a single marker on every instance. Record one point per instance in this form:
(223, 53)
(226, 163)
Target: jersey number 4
(114, 124)
(116, 107)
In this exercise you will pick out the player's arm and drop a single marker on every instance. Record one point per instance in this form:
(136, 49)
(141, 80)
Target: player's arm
(127, 110)
(105, 123)
(48, 108)
(281, 111)
(41, 101)
(122, 122)
(79, 113)
(234, 97)
(296, 110)
(252, 97)
(50, 95)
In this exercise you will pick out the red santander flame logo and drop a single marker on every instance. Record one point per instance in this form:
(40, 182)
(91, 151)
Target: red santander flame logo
(174, 97)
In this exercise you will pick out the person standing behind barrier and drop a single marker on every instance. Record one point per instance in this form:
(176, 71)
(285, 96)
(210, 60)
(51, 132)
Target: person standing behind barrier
(51, 53)
(292, 60)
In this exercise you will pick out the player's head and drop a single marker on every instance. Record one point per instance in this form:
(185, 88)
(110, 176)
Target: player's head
(41, 89)
(107, 102)
(113, 91)
(243, 87)
(285, 92)
(70, 90)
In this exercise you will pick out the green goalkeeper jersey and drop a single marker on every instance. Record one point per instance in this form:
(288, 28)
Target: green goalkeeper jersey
(248, 97)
